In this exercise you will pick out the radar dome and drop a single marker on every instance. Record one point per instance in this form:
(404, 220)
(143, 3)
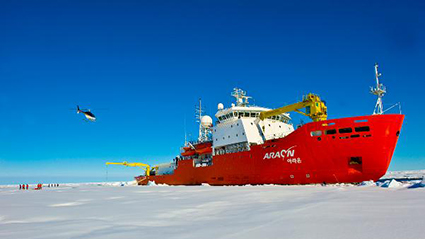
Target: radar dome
(220, 106)
(206, 121)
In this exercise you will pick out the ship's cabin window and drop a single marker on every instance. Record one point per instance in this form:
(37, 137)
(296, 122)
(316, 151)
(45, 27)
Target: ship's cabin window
(316, 133)
(362, 129)
(246, 114)
(345, 130)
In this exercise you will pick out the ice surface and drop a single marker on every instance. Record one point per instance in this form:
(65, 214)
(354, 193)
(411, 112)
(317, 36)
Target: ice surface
(123, 210)
(404, 174)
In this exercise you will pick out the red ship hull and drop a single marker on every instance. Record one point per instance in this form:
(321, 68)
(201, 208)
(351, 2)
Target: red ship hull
(317, 152)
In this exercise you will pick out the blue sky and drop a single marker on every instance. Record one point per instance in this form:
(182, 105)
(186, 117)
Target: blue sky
(144, 64)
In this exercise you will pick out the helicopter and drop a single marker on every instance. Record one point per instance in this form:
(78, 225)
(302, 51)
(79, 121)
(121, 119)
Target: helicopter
(89, 115)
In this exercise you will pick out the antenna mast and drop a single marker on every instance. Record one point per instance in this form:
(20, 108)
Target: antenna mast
(379, 91)
(205, 123)
(241, 97)
(199, 112)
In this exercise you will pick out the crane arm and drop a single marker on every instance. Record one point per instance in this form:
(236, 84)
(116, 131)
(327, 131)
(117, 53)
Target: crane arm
(147, 167)
(315, 108)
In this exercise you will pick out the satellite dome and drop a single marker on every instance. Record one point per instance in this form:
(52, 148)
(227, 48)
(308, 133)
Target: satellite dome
(220, 106)
(206, 121)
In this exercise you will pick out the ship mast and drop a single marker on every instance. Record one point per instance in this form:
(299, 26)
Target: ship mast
(241, 97)
(205, 123)
(379, 91)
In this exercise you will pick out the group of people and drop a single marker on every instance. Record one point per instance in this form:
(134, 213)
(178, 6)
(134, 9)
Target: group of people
(39, 186)
(23, 186)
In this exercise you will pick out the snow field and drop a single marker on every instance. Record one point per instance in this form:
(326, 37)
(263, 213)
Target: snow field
(112, 211)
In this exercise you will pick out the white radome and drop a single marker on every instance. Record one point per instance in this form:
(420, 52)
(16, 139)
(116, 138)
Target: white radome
(220, 106)
(206, 121)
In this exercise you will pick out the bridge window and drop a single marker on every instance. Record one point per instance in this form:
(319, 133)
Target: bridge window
(246, 114)
(252, 114)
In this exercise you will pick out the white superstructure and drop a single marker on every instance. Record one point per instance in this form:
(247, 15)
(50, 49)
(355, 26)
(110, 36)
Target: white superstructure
(239, 127)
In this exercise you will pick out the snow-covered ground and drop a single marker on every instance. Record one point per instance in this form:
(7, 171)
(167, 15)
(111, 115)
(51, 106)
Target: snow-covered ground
(108, 210)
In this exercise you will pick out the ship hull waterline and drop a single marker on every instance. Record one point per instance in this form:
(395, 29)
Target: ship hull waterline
(317, 152)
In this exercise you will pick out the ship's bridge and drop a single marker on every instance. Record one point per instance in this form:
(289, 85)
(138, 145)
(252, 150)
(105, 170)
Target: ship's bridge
(239, 127)
(237, 112)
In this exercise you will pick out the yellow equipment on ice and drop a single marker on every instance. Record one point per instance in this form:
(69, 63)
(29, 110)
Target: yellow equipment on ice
(314, 108)
(144, 166)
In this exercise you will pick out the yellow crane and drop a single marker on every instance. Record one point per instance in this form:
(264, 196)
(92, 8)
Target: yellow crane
(144, 166)
(315, 108)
